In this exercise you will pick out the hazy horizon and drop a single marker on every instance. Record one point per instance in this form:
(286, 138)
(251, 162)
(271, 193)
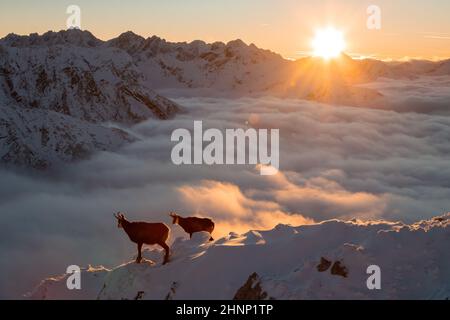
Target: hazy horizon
(406, 30)
(306, 55)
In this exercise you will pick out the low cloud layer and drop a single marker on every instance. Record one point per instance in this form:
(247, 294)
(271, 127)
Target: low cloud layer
(335, 162)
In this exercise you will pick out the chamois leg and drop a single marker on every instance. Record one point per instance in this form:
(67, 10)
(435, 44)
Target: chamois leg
(167, 249)
(139, 257)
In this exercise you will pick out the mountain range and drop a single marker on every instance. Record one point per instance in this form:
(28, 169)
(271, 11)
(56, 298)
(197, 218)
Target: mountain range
(60, 90)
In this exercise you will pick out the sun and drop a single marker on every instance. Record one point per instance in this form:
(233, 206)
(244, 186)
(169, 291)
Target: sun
(328, 43)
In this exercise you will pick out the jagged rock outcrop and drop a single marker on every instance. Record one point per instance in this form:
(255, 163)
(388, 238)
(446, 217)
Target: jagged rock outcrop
(324, 265)
(338, 269)
(251, 290)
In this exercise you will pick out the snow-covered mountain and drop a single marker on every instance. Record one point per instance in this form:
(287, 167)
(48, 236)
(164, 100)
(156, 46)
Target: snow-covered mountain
(233, 67)
(328, 260)
(37, 138)
(79, 82)
(241, 68)
(57, 91)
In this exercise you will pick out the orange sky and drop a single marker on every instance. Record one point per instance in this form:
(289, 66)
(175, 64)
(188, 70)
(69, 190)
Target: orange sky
(414, 28)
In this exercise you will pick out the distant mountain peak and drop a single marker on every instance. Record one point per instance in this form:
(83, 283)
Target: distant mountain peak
(128, 41)
(128, 36)
(238, 43)
(81, 38)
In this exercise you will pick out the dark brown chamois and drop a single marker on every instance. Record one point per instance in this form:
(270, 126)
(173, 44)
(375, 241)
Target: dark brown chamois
(193, 224)
(145, 233)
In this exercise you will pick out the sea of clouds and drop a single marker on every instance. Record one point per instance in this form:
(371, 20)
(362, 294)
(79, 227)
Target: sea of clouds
(335, 162)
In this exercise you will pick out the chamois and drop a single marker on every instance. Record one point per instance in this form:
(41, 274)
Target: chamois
(145, 233)
(193, 224)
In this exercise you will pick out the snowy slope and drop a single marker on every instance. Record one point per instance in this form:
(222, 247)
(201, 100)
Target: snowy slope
(38, 139)
(89, 83)
(56, 288)
(57, 89)
(283, 263)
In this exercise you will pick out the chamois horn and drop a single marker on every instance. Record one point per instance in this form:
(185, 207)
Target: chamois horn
(118, 215)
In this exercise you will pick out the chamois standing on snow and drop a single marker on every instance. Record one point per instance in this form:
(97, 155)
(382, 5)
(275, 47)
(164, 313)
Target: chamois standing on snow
(193, 224)
(145, 233)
